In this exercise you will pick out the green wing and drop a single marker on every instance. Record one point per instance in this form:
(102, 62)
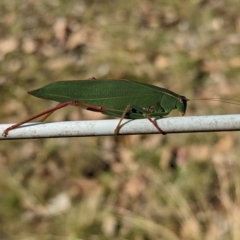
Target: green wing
(110, 94)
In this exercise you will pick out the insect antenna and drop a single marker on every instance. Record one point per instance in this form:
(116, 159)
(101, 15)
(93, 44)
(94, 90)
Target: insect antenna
(230, 101)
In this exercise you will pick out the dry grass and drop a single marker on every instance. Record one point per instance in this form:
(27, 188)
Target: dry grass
(134, 187)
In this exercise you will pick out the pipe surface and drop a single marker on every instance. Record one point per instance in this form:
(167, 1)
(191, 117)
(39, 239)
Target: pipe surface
(187, 124)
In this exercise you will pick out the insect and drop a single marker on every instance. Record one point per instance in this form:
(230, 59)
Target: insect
(117, 98)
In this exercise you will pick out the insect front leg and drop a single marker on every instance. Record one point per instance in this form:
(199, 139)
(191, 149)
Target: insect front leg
(155, 125)
(136, 112)
(157, 114)
(152, 111)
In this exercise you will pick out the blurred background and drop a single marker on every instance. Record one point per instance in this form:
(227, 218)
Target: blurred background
(184, 186)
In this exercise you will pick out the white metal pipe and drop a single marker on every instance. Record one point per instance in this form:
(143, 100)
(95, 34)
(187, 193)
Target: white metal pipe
(213, 123)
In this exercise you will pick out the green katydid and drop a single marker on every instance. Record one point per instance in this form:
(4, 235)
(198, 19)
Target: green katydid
(118, 98)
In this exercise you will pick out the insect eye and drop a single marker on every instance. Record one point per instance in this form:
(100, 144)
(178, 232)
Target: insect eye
(182, 99)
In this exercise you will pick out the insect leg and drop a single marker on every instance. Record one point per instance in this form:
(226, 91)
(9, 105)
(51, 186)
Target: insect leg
(116, 131)
(129, 109)
(49, 112)
(155, 124)
(148, 114)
